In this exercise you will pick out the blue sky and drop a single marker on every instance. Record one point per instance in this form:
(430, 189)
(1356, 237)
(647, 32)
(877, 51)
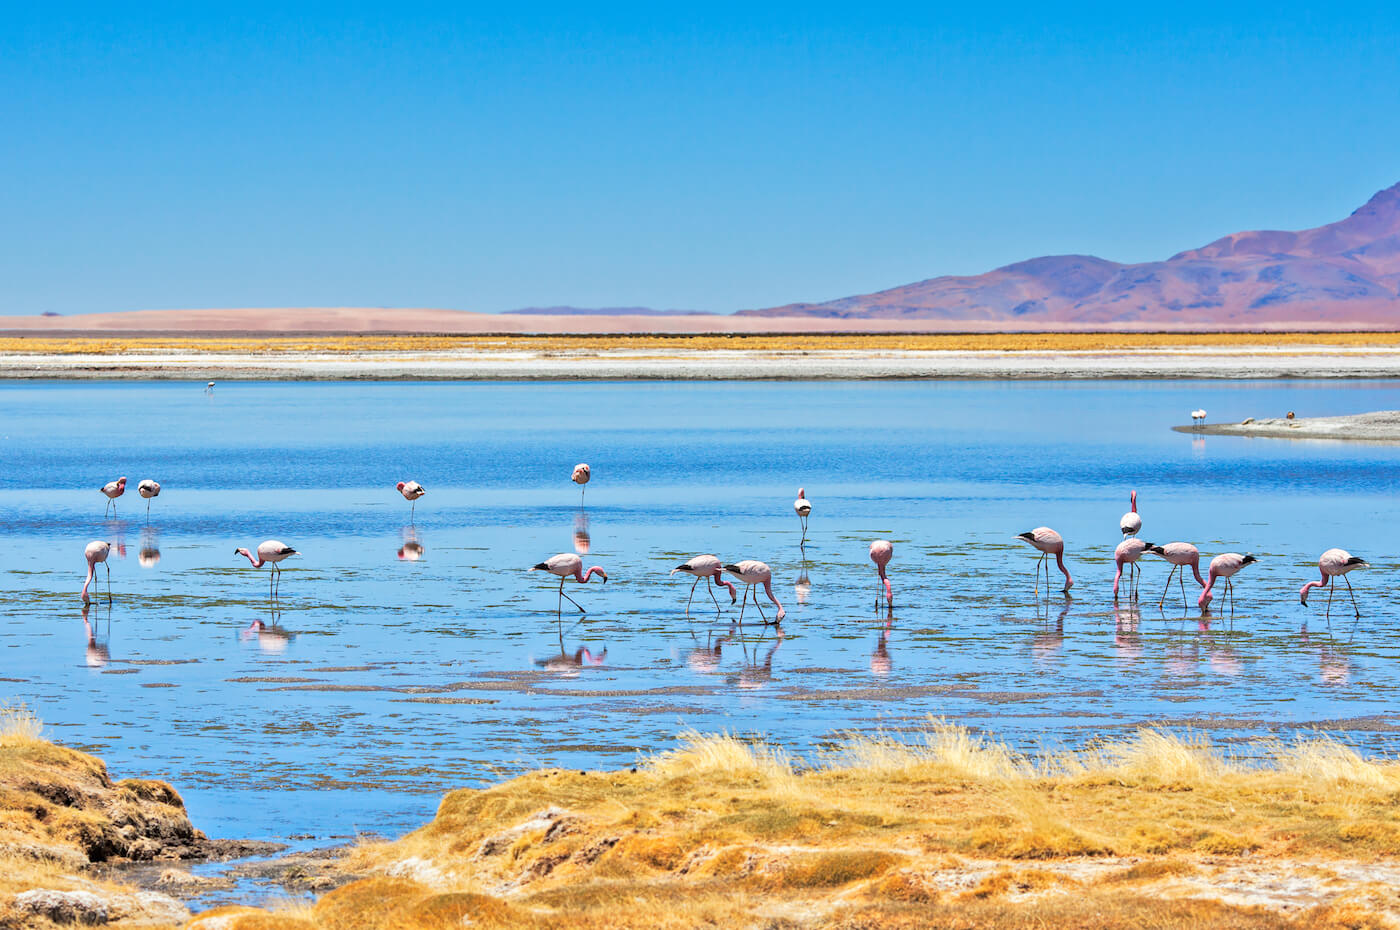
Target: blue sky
(716, 157)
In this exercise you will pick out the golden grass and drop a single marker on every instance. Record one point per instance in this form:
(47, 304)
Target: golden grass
(274, 344)
(945, 829)
(18, 725)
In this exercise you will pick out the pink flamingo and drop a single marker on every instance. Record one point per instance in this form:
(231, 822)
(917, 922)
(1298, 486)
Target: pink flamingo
(1224, 566)
(881, 551)
(803, 507)
(1179, 554)
(567, 564)
(1127, 553)
(411, 491)
(753, 572)
(97, 551)
(1130, 523)
(148, 489)
(114, 490)
(1335, 563)
(709, 568)
(270, 552)
(1049, 543)
(581, 476)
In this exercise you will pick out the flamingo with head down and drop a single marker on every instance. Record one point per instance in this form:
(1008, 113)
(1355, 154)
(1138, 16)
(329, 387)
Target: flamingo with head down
(709, 568)
(1048, 542)
(270, 552)
(1223, 567)
(95, 552)
(1335, 563)
(753, 572)
(881, 551)
(1180, 555)
(568, 565)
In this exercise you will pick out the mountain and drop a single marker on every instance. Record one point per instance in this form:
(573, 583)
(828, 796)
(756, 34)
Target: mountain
(603, 311)
(1344, 272)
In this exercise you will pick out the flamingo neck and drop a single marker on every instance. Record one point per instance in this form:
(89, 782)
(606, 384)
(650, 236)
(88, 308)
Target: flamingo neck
(583, 578)
(1133, 499)
(257, 563)
(1314, 584)
(768, 589)
(1117, 576)
(1196, 570)
(1060, 561)
(718, 578)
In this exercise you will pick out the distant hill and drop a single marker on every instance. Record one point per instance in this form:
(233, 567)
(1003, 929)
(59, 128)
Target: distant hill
(1344, 272)
(605, 311)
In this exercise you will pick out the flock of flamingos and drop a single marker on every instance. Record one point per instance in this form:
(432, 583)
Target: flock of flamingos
(1334, 563)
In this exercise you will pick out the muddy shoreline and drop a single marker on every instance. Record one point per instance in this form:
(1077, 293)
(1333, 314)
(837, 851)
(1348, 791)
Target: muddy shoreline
(1378, 426)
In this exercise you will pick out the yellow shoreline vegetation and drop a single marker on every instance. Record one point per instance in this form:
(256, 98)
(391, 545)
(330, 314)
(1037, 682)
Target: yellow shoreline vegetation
(274, 344)
(949, 829)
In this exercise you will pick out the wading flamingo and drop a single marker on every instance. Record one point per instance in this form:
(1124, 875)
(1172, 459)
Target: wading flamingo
(1130, 523)
(148, 489)
(567, 564)
(707, 567)
(803, 507)
(881, 551)
(209, 388)
(411, 491)
(1224, 566)
(1180, 554)
(1335, 563)
(582, 473)
(270, 552)
(752, 572)
(97, 551)
(114, 490)
(1049, 543)
(1128, 553)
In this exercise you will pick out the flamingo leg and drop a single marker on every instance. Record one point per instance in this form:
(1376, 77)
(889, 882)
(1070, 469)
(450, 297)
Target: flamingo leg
(148, 510)
(1167, 588)
(1038, 563)
(710, 586)
(1330, 589)
(1181, 577)
(109, 583)
(692, 596)
(569, 599)
(744, 603)
(1353, 597)
(412, 510)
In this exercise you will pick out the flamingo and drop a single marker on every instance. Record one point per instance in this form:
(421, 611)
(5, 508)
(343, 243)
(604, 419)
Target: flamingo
(1335, 563)
(752, 572)
(564, 565)
(1127, 553)
(1048, 542)
(804, 510)
(709, 568)
(881, 551)
(1224, 566)
(1130, 523)
(411, 491)
(97, 551)
(148, 489)
(114, 490)
(1180, 554)
(582, 474)
(270, 552)
(209, 388)
(1198, 417)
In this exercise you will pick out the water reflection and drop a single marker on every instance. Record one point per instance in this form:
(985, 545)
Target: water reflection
(1049, 640)
(756, 673)
(1127, 641)
(411, 548)
(98, 653)
(149, 555)
(270, 636)
(582, 540)
(802, 590)
(880, 663)
(705, 659)
(568, 665)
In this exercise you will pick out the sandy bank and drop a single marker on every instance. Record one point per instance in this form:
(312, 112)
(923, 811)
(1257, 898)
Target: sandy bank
(713, 364)
(1381, 426)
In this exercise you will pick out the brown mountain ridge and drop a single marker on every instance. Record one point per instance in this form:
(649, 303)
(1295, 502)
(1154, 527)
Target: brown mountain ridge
(1344, 272)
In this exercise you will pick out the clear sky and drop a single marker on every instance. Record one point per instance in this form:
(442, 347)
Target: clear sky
(704, 156)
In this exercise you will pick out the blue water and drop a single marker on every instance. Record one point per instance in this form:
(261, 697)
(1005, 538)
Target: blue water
(378, 682)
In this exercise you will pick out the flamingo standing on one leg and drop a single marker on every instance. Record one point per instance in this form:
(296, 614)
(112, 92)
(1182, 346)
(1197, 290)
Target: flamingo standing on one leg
(1224, 566)
(1130, 523)
(752, 572)
(1335, 563)
(1049, 543)
(270, 552)
(114, 490)
(567, 564)
(881, 551)
(1179, 554)
(709, 568)
(804, 510)
(411, 491)
(582, 474)
(97, 551)
(1127, 553)
(148, 489)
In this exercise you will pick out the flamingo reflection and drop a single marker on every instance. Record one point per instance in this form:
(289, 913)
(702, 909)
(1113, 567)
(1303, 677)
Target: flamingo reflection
(97, 653)
(705, 659)
(412, 548)
(880, 663)
(271, 638)
(582, 540)
(756, 674)
(569, 665)
(149, 554)
(1127, 642)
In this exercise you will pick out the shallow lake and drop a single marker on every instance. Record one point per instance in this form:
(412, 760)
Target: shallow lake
(377, 681)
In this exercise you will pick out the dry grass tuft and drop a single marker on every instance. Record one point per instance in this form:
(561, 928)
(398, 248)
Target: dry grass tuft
(18, 724)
